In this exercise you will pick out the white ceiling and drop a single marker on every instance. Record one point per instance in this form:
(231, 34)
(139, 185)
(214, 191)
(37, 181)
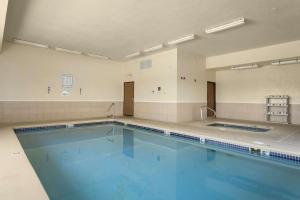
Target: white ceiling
(116, 28)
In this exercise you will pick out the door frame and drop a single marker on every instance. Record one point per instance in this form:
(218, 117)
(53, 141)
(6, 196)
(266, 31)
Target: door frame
(214, 85)
(124, 98)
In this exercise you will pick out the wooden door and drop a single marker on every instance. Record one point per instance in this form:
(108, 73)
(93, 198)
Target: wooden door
(211, 97)
(128, 104)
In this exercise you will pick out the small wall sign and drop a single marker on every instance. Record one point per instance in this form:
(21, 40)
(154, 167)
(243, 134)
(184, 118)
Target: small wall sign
(67, 84)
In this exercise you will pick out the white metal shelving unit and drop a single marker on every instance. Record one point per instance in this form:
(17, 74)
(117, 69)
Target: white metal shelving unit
(277, 109)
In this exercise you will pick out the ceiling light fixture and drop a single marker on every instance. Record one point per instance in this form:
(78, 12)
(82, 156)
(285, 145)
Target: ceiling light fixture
(133, 55)
(97, 56)
(286, 62)
(245, 67)
(228, 25)
(155, 48)
(24, 42)
(182, 40)
(67, 50)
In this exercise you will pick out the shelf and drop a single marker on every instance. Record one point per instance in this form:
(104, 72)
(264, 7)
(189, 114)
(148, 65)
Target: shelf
(277, 108)
(278, 97)
(278, 114)
(277, 122)
(277, 105)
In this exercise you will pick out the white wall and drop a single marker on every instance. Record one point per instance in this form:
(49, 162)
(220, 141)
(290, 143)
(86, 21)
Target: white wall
(192, 67)
(163, 73)
(191, 94)
(179, 100)
(258, 55)
(26, 73)
(149, 102)
(241, 93)
(253, 85)
(3, 11)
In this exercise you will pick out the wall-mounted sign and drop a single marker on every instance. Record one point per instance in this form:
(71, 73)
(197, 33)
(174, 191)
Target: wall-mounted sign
(67, 80)
(67, 84)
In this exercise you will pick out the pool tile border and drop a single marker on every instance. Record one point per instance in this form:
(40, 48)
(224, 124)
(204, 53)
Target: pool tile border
(97, 123)
(159, 131)
(284, 156)
(184, 136)
(38, 128)
(226, 145)
(69, 125)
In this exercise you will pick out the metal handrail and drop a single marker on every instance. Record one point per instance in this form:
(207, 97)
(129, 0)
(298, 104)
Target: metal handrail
(208, 108)
(112, 105)
(113, 135)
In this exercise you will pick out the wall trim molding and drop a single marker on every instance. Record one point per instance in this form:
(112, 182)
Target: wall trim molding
(104, 101)
(169, 102)
(250, 103)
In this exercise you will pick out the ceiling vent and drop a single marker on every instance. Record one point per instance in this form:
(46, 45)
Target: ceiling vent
(146, 64)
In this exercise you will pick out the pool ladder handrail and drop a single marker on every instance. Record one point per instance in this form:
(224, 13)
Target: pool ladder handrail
(111, 106)
(112, 130)
(207, 108)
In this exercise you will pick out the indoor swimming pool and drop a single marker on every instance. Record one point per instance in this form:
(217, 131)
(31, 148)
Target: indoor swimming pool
(115, 162)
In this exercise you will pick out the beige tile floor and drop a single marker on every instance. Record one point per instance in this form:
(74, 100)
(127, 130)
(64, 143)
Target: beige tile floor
(19, 181)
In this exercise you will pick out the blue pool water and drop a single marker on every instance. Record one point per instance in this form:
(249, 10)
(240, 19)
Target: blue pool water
(116, 162)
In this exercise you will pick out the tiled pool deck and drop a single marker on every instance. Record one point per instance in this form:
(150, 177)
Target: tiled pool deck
(19, 181)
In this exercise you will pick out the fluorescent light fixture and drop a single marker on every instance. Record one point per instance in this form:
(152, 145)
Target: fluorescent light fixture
(67, 50)
(155, 48)
(133, 55)
(245, 67)
(183, 39)
(286, 62)
(228, 25)
(24, 42)
(97, 56)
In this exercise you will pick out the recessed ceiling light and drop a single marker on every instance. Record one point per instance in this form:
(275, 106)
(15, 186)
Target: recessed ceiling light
(182, 40)
(97, 56)
(24, 42)
(245, 67)
(155, 48)
(133, 55)
(67, 50)
(225, 26)
(286, 62)
(259, 142)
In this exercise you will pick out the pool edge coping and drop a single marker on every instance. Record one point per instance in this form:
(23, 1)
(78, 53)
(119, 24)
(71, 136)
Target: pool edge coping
(202, 137)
